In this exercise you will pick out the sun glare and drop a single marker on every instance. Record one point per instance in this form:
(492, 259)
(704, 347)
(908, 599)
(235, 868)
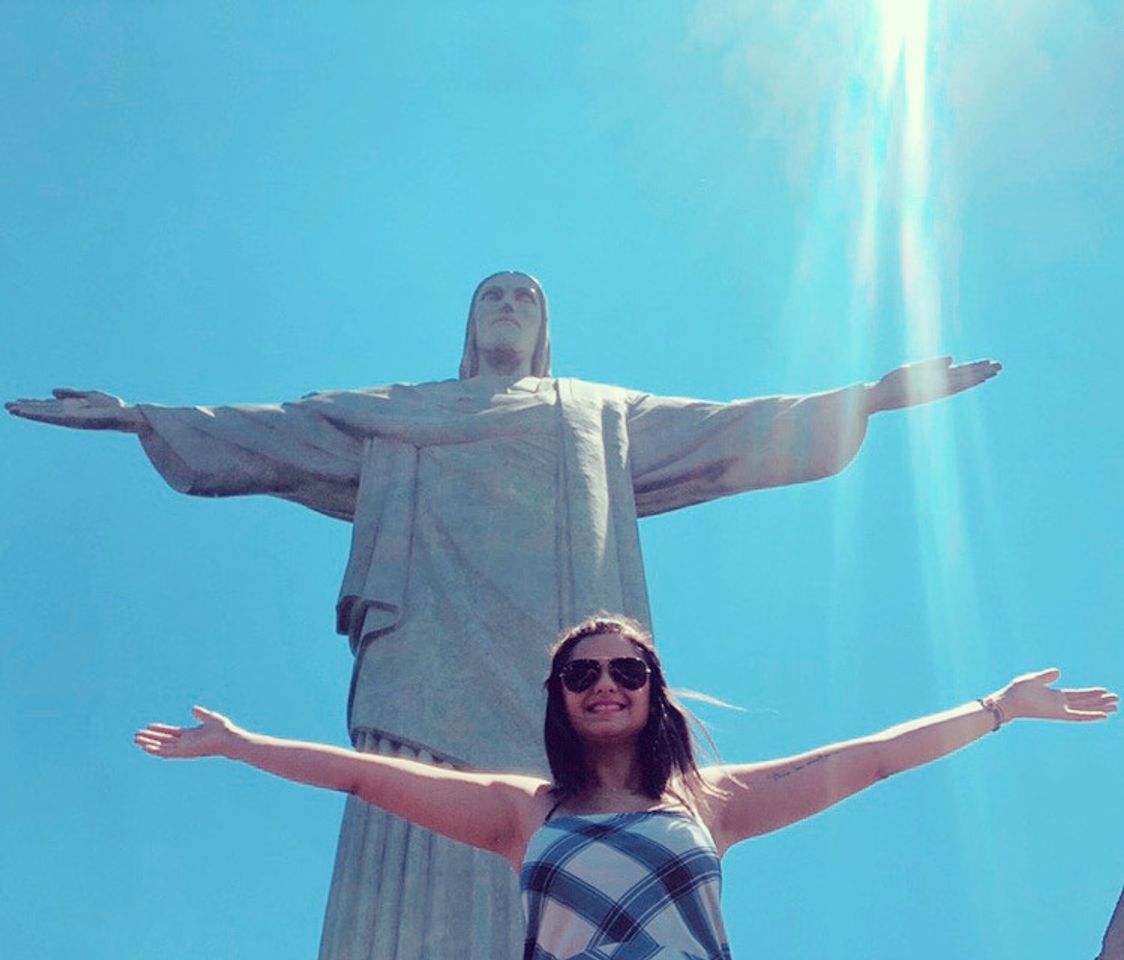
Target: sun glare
(883, 145)
(889, 129)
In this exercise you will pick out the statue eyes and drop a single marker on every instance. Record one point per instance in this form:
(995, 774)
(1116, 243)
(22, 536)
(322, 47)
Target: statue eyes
(494, 293)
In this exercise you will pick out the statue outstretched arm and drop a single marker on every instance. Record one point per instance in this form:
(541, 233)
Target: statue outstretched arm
(926, 381)
(81, 410)
(289, 450)
(757, 798)
(685, 451)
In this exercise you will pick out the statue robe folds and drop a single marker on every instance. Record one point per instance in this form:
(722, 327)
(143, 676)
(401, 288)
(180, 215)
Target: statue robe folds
(487, 515)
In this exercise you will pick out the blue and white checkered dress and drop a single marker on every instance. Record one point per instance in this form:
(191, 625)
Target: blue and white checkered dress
(625, 886)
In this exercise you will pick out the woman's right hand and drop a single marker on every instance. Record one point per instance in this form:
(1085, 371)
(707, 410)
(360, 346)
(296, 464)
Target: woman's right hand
(1030, 696)
(214, 737)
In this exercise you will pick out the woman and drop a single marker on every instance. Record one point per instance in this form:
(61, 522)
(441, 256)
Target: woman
(625, 843)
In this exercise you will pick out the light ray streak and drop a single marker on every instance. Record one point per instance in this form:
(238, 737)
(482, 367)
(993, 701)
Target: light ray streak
(882, 161)
(882, 204)
(957, 646)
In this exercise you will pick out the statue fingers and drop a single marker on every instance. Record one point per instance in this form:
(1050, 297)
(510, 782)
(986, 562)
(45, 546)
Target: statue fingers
(97, 398)
(920, 369)
(983, 368)
(966, 377)
(978, 370)
(931, 364)
(47, 411)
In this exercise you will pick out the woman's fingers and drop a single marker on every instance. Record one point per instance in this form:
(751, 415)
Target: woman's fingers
(152, 745)
(161, 739)
(160, 736)
(1089, 703)
(1030, 695)
(1072, 714)
(1091, 699)
(168, 740)
(149, 737)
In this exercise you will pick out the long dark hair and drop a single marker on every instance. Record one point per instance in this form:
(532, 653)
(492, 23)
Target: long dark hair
(666, 747)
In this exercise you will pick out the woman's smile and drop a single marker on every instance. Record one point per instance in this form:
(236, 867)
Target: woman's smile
(605, 706)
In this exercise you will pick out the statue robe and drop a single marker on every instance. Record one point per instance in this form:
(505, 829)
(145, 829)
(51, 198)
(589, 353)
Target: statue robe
(488, 515)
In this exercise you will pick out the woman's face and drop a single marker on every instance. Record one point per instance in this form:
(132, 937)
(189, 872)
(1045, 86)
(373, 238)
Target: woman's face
(607, 712)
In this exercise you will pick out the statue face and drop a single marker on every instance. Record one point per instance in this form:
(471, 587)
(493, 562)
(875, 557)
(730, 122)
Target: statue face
(507, 315)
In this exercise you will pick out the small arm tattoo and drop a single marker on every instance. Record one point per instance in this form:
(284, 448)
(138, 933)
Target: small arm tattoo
(797, 767)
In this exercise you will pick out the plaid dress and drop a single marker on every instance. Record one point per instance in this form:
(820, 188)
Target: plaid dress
(625, 886)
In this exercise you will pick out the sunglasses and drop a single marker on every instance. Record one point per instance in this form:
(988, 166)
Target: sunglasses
(629, 673)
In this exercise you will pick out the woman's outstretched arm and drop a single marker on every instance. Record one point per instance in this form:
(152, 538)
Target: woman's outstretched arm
(760, 797)
(496, 812)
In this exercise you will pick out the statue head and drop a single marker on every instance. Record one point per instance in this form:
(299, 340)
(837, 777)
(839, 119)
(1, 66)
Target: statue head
(508, 312)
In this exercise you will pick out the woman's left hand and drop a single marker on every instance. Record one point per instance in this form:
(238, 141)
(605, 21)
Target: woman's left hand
(1030, 696)
(214, 737)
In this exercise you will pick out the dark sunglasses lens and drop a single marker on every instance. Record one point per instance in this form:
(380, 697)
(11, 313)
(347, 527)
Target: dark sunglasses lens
(629, 672)
(579, 675)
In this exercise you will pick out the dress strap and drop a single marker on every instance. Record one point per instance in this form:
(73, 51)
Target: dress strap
(550, 812)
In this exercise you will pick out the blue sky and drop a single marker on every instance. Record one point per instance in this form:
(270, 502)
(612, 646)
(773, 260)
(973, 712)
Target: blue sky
(211, 203)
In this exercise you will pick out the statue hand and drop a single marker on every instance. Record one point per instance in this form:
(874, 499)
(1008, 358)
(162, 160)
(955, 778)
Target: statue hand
(81, 409)
(212, 738)
(1031, 696)
(917, 383)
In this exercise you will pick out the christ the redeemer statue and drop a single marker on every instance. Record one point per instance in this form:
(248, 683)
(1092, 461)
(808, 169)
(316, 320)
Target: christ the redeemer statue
(488, 512)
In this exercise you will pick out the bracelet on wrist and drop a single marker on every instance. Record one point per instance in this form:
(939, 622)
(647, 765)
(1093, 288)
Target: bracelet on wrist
(991, 705)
